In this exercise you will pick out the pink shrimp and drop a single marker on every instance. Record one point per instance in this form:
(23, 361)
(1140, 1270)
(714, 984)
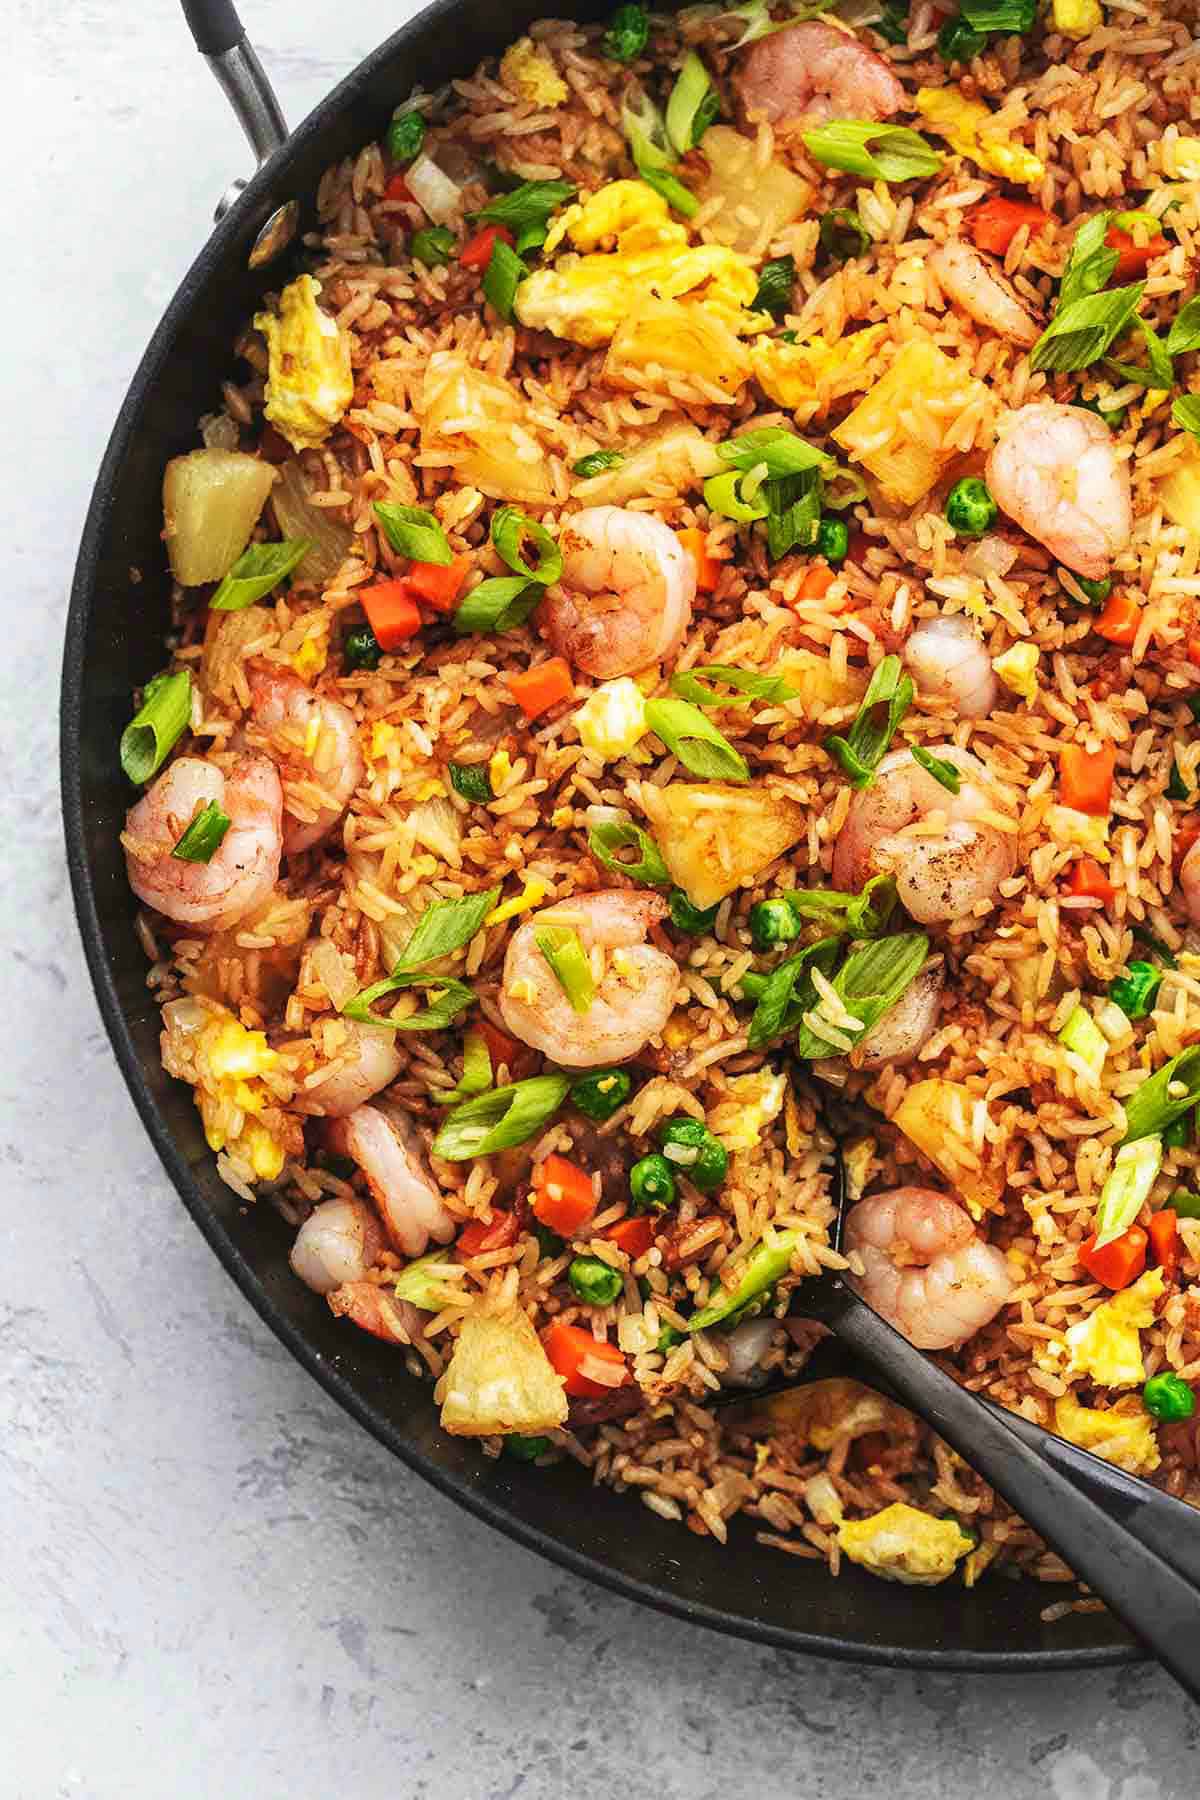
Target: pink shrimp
(625, 597)
(813, 71)
(926, 1270)
(242, 871)
(1056, 472)
(314, 740)
(383, 1142)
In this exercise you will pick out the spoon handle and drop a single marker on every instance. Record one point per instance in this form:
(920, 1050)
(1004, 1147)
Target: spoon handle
(1159, 1605)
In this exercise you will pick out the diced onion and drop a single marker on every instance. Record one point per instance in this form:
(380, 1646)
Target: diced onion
(992, 555)
(437, 825)
(433, 190)
(298, 518)
(335, 972)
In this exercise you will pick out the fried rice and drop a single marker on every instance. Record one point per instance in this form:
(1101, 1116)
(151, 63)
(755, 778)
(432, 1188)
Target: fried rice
(1077, 119)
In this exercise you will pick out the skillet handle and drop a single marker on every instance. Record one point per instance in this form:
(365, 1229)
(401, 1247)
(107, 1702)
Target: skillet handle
(1089, 1525)
(214, 24)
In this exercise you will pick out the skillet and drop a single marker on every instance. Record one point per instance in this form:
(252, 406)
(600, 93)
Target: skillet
(113, 643)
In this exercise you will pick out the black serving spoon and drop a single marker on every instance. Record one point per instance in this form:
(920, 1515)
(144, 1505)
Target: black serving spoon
(1134, 1546)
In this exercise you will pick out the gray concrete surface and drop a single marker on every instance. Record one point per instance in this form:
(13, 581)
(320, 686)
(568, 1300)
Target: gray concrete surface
(213, 1584)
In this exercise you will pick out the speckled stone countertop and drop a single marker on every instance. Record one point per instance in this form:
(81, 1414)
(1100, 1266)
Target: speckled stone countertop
(215, 1584)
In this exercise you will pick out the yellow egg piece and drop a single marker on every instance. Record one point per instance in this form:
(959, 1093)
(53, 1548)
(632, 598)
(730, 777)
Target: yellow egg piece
(309, 380)
(902, 1544)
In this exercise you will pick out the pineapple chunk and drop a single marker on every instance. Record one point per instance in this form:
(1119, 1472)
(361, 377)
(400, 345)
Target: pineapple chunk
(658, 339)
(756, 203)
(500, 1379)
(880, 433)
(671, 462)
(479, 422)
(808, 377)
(1179, 492)
(714, 837)
(937, 1116)
(814, 680)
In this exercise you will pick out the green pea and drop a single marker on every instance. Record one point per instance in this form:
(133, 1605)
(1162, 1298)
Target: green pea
(668, 1337)
(361, 649)
(1185, 1205)
(628, 31)
(593, 1281)
(772, 922)
(651, 1185)
(958, 41)
(433, 246)
(405, 135)
(1168, 1397)
(1096, 591)
(526, 1449)
(970, 509)
(833, 540)
(599, 1094)
(1134, 993)
(686, 917)
(691, 1147)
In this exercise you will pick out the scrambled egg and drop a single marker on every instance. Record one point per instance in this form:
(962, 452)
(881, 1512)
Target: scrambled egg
(1122, 1434)
(751, 1103)
(530, 73)
(1077, 18)
(613, 718)
(808, 376)
(963, 124)
(1017, 669)
(311, 657)
(531, 895)
(584, 297)
(1079, 830)
(1106, 1346)
(825, 1412)
(233, 1058)
(1185, 155)
(902, 1544)
(309, 381)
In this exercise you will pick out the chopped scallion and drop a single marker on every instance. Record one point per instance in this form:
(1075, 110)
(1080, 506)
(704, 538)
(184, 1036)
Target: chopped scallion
(887, 699)
(414, 532)
(938, 767)
(157, 725)
(695, 741)
(872, 150)
(204, 836)
(606, 839)
(513, 535)
(563, 950)
(1135, 1169)
(501, 1119)
(257, 570)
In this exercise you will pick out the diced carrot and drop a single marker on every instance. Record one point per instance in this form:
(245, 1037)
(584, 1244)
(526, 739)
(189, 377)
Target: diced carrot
(1132, 259)
(1120, 619)
(708, 568)
(1086, 778)
(633, 1236)
(1118, 1263)
(1164, 1241)
(476, 253)
(536, 690)
(503, 1229)
(1193, 649)
(568, 1346)
(391, 611)
(562, 1195)
(818, 580)
(1086, 880)
(439, 584)
(397, 188)
(1183, 838)
(996, 222)
(500, 1047)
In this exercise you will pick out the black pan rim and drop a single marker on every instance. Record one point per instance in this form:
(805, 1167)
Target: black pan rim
(223, 1244)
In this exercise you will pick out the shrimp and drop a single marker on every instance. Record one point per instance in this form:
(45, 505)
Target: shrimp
(1055, 471)
(635, 983)
(385, 1147)
(1189, 882)
(338, 1242)
(625, 597)
(814, 71)
(905, 1026)
(948, 662)
(976, 284)
(378, 1311)
(926, 1270)
(372, 1062)
(946, 850)
(242, 871)
(314, 740)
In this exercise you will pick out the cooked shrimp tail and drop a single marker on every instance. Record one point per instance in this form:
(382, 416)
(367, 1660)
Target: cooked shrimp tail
(625, 597)
(241, 874)
(1055, 471)
(926, 1269)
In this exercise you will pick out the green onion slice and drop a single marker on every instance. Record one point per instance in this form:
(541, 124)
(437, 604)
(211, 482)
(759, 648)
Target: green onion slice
(471, 781)
(861, 915)
(1080, 333)
(722, 496)
(875, 151)
(447, 998)
(783, 452)
(1090, 261)
(204, 836)
(793, 513)
(1184, 334)
(413, 532)
(1185, 412)
(652, 156)
(1082, 1035)
(433, 246)
(422, 1289)
(527, 207)
(938, 767)
(768, 1263)
(500, 603)
(784, 996)
(501, 1119)
(502, 277)
(775, 285)
(512, 532)
(257, 570)
(695, 740)
(843, 234)
(445, 927)
(748, 685)
(869, 983)
(476, 1077)
(596, 462)
(157, 725)
(1127, 1189)
(1160, 369)
(563, 950)
(1152, 1108)
(606, 839)
(999, 15)
(692, 107)
(884, 704)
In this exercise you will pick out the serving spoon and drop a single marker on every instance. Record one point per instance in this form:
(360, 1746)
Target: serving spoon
(1137, 1548)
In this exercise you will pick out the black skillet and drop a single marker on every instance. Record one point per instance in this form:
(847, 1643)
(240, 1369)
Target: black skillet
(113, 642)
